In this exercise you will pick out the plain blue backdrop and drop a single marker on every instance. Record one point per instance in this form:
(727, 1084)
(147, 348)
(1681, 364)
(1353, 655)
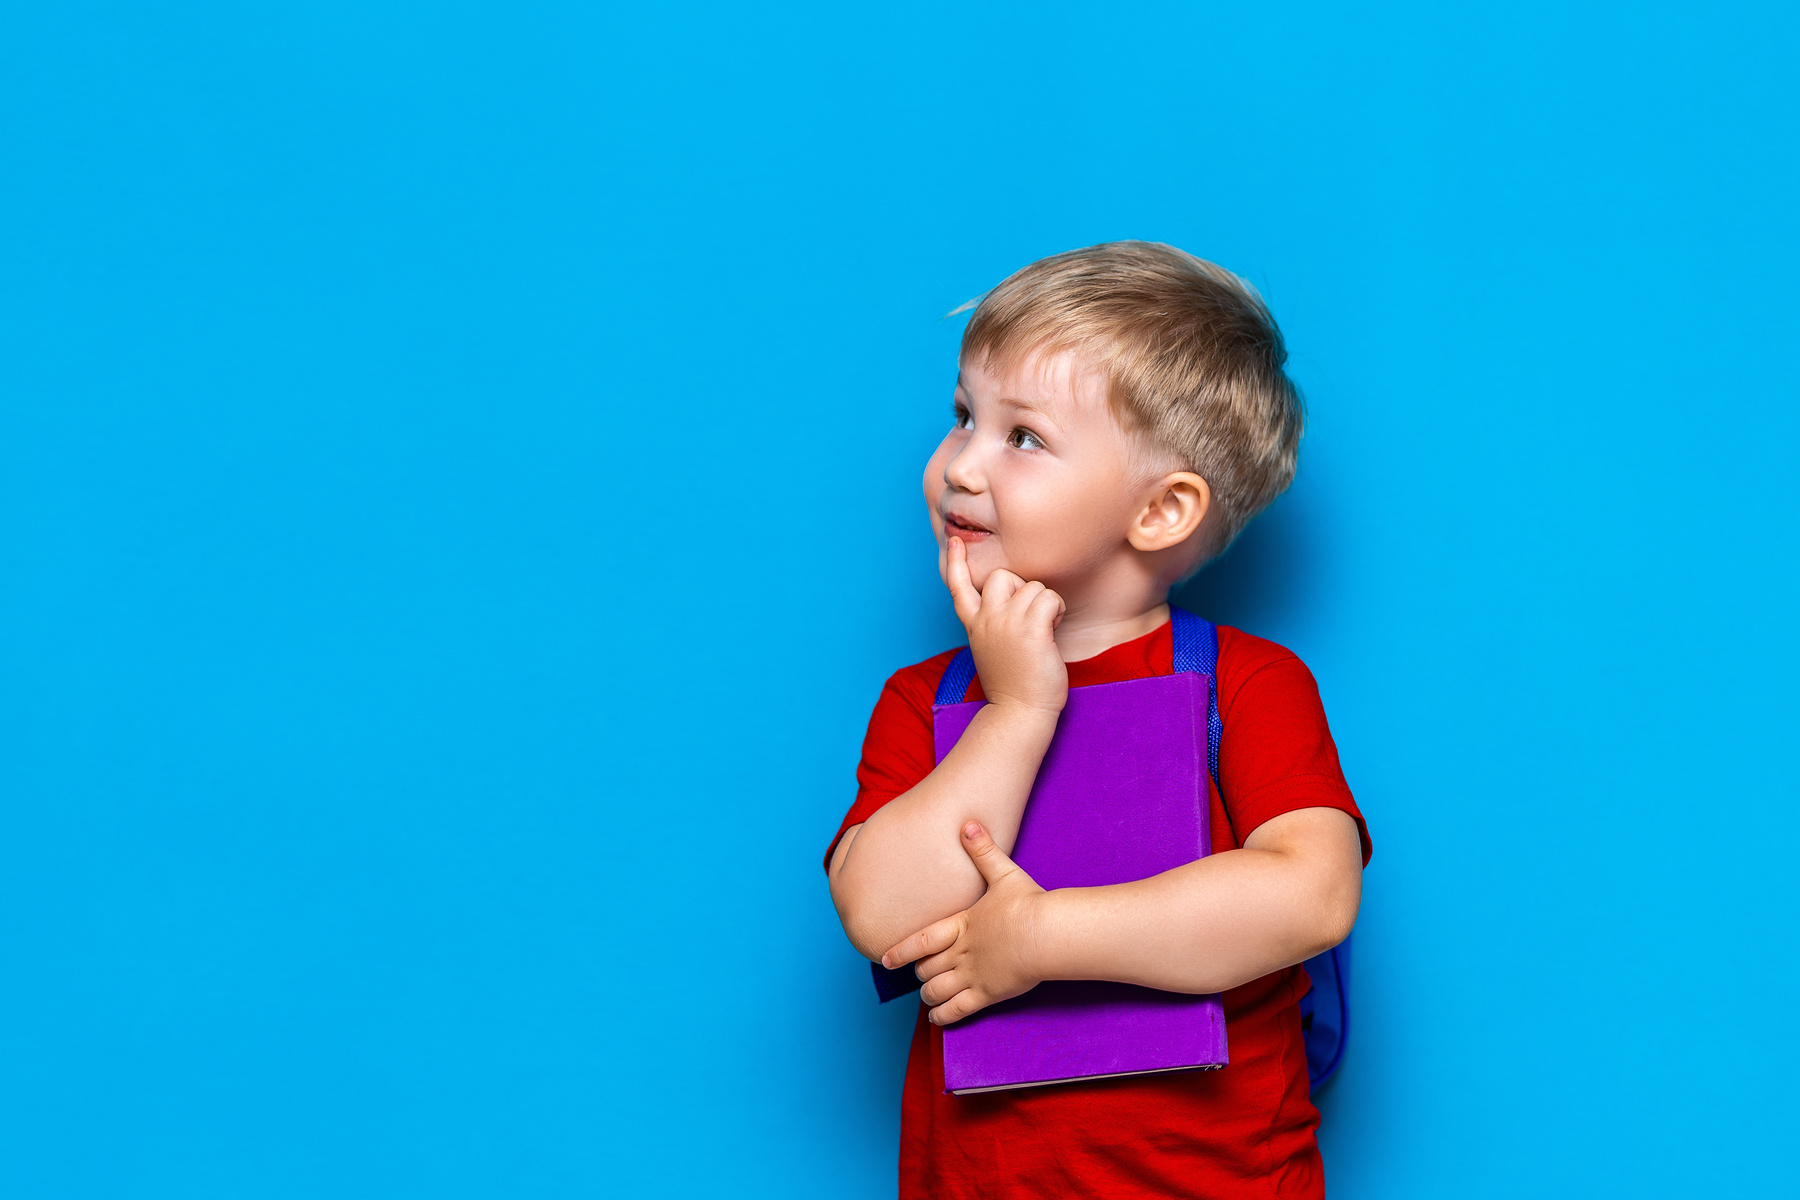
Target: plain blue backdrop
(459, 478)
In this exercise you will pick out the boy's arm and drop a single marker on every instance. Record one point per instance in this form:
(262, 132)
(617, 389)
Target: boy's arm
(1291, 892)
(904, 867)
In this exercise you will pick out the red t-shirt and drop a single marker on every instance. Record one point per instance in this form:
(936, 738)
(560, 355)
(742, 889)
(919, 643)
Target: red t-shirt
(1246, 1130)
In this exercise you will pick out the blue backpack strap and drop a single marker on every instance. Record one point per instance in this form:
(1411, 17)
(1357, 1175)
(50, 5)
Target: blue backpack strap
(1325, 1010)
(957, 677)
(902, 981)
(1197, 649)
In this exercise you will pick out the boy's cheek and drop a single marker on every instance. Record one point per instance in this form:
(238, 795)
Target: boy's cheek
(984, 559)
(933, 480)
(931, 510)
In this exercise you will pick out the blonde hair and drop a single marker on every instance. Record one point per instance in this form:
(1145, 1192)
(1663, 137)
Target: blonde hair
(1193, 358)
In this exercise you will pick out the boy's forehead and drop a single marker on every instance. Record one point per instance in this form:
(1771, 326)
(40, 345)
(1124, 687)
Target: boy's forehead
(1056, 379)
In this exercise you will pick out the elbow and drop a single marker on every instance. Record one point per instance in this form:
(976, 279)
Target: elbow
(862, 907)
(1335, 925)
(1334, 916)
(870, 948)
(870, 941)
(844, 894)
(853, 914)
(1333, 910)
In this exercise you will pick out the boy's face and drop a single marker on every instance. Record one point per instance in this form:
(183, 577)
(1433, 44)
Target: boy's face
(1036, 476)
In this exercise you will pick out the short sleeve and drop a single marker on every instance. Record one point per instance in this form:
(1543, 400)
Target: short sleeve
(1276, 755)
(898, 751)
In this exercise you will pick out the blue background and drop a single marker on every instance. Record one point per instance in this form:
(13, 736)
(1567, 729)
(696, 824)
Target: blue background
(459, 477)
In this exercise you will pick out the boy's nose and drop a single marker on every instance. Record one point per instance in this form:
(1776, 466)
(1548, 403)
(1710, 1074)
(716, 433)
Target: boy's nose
(963, 471)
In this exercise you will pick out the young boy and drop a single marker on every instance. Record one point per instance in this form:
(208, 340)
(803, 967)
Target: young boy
(1121, 413)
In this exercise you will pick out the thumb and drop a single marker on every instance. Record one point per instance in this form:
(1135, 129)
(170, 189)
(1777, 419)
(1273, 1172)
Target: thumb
(988, 857)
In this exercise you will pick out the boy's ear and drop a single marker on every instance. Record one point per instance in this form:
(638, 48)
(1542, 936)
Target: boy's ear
(1177, 505)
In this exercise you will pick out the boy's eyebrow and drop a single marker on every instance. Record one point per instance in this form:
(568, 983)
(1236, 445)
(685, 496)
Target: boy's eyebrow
(1034, 409)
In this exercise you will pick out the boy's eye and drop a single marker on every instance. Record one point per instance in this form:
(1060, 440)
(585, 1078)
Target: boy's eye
(963, 419)
(1024, 439)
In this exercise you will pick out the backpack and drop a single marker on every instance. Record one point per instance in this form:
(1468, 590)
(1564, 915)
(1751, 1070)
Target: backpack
(1325, 1010)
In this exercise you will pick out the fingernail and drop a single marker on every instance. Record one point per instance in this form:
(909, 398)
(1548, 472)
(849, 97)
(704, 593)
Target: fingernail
(971, 831)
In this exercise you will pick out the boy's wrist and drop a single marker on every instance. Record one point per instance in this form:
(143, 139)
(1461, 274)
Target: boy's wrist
(1022, 714)
(1050, 954)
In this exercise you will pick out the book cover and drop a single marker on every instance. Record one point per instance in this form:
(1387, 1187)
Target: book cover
(1121, 795)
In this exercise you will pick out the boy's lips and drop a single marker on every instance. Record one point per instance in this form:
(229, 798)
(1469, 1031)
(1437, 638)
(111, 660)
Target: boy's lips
(962, 527)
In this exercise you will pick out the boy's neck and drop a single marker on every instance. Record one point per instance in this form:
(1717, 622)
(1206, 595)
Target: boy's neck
(1087, 631)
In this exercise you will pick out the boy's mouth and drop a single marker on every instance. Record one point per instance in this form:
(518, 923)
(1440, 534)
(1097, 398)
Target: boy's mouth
(962, 527)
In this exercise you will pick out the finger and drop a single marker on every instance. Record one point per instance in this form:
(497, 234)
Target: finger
(1021, 599)
(940, 988)
(956, 576)
(1046, 608)
(957, 1007)
(1000, 586)
(930, 966)
(988, 857)
(933, 939)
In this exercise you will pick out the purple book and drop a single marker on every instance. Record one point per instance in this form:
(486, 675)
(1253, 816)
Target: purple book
(1121, 795)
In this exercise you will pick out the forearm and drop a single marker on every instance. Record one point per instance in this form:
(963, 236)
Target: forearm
(1215, 923)
(905, 867)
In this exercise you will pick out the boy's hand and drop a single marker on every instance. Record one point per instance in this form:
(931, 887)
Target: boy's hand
(984, 954)
(1012, 633)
